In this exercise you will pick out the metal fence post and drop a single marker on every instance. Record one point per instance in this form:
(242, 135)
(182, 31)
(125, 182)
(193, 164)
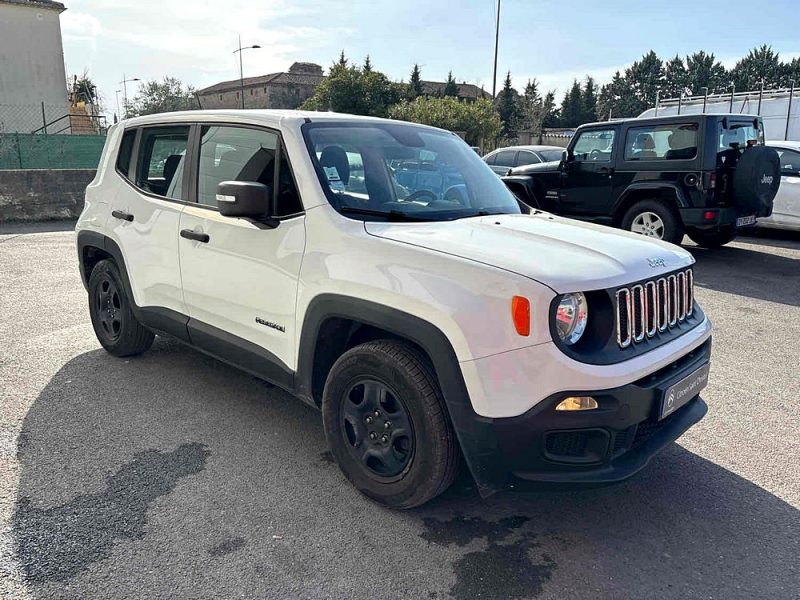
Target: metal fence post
(760, 96)
(44, 119)
(733, 91)
(789, 111)
(19, 150)
(658, 94)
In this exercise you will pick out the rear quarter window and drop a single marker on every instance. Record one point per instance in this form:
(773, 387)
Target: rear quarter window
(126, 152)
(675, 141)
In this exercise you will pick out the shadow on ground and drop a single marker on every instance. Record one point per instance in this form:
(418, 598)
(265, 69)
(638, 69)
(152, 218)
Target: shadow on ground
(173, 475)
(24, 227)
(746, 269)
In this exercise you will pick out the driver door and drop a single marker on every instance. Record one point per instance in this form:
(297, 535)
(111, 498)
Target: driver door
(587, 179)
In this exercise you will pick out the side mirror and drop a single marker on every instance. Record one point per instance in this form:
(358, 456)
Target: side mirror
(245, 199)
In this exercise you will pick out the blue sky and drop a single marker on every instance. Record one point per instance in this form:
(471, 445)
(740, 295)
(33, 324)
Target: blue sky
(554, 41)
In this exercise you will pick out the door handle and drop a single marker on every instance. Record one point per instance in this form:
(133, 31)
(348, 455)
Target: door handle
(118, 214)
(606, 171)
(190, 234)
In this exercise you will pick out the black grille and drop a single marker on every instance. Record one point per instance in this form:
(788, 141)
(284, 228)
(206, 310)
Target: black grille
(567, 443)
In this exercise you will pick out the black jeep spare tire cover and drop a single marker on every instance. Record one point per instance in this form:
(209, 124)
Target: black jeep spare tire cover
(756, 180)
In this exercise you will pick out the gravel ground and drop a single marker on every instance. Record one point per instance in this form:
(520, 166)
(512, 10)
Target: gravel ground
(172, 475)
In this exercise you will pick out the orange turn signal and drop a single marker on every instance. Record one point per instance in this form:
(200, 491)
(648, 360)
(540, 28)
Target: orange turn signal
(521, 314)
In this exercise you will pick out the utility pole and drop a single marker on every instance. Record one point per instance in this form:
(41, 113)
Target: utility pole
(496, 46)
(241, 68)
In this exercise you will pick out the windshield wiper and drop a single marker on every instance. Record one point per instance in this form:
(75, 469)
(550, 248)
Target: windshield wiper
(389, 215)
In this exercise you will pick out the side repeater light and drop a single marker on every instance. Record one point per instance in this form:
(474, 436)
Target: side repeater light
(577, 403)
(521, 315)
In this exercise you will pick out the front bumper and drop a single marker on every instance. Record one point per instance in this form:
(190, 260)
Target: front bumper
(608, 444)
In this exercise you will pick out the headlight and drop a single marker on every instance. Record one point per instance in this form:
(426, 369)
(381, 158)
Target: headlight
(571, 316)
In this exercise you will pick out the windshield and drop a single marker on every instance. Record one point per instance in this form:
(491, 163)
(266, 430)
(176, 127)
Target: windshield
(403, 172)
(551, 155)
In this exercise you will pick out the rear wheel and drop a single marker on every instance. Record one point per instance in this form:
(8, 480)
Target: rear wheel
(712, 239)
(387, 426)
(113, 320)
(654, 219)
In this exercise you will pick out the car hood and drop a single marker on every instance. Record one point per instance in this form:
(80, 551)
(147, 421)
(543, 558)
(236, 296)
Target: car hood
(565, 255)
(544, 167)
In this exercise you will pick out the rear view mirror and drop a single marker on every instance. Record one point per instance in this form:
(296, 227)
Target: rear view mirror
(246, 199)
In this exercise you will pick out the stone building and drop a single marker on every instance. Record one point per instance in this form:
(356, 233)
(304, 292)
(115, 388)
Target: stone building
(276, 90)
(31, 64)
(466, 91)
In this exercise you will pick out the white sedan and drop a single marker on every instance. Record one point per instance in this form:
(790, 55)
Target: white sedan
(786, 209)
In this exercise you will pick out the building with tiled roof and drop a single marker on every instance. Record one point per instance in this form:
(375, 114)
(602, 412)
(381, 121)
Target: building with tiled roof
(276, 90)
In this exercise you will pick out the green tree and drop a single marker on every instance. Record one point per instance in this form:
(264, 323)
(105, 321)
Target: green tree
(760, 64)
(704, 71)
(367, 65)
(509, 109)
(550, 115)
(617, 99)
(645, 78)
(676, 78)
(589, 101)
(162, 96)
(414, 83)
(451, 88)
(478, 120)
(351, 89)
(572, 106)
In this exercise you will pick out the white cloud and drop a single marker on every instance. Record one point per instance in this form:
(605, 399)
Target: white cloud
(193, 40)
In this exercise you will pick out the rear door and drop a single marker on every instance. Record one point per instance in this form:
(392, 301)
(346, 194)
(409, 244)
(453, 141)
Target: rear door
(146, 213)
(504, 160)
(587, 180)
(240, 286)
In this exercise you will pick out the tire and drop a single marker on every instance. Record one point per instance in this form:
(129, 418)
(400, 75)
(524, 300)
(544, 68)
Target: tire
(756, 180)
(113, 320)
(413, 458)
(654, 219)
(712, 239)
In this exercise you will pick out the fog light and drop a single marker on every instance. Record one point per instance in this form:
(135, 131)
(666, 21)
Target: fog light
(577, 403)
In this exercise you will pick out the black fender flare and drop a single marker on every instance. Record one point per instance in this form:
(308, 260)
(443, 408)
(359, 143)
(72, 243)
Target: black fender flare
(657, 186)
(159, 319)
(531, 186)
(476, 434)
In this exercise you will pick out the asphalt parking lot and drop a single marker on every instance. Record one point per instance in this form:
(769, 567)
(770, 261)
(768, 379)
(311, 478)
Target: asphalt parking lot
(172, 475)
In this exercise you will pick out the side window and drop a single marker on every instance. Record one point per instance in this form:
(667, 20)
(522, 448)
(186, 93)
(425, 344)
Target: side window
(662, 142)
(790, 162)
(527, 158)
(489, 160)
(162, 156)
(234, 154)
(505, 158)
(594, 146)
(125, 152)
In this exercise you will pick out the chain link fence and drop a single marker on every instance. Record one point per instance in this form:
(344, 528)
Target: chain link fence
(50, 136)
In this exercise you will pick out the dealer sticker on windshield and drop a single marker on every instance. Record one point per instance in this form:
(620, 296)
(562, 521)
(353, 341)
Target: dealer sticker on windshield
(680, 393)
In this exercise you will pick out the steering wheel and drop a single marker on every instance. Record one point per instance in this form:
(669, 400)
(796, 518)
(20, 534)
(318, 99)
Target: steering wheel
(419, 195)
(594, 154)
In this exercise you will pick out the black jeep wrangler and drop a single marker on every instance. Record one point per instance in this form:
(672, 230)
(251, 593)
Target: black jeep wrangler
(703, 175)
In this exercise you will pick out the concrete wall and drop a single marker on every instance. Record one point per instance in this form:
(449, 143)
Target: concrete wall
(31, 66)
(42, 194)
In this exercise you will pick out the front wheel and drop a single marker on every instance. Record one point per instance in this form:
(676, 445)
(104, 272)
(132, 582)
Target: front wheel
(387, 425)
(654, 219)
(713, 239)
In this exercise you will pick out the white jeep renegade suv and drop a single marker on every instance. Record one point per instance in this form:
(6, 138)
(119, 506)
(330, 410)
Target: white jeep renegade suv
(382, 272)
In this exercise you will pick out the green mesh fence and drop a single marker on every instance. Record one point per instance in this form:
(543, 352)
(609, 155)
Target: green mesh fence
(42, 151)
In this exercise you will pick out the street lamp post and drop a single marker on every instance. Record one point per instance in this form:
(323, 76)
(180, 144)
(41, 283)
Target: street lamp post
(124, 83)
(116, 93)
(241, 68)
(496, 46)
